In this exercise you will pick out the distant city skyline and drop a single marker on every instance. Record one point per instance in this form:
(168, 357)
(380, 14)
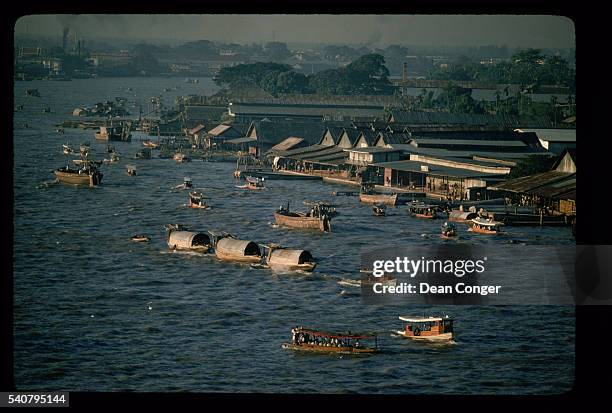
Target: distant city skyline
(369, 30)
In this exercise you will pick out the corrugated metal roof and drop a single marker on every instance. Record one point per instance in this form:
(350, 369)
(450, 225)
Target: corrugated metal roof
(287, 144)
(468, 142)
(393, 138)
(436, 170)
(531, 182)
(275, 132)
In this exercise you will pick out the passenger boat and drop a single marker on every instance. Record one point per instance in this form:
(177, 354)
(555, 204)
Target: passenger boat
(88, 175)
(67, 149)
(196, 200)
(380, 210)
(427, 328)
(150, 144)
(305, 339)
(449, 230)
(317, 218)
(285, 259)
(369, 196)
(423, 211)
(485, 226)
(237, 250)
(131, 170)
(141, 238)
(254, 183)
(178, 238)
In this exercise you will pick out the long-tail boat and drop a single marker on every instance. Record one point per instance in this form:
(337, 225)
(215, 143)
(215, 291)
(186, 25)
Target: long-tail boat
(317, 218)
(306, 339)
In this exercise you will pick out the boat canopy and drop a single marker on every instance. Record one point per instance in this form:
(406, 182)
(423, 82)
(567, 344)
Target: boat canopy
(347, 335)
(188, 239)
(238, 247)
(465, 215)
(290, 257)
(423, 319)
(487, 223)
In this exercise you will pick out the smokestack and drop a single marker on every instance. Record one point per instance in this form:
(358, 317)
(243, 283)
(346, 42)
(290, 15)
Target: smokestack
(65, 38)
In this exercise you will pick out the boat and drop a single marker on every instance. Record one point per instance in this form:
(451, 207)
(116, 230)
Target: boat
(285, 259)
(306, 339)
(84, 149)
(33, 92)
(114, 133)
(187, 184)
(369, 281)
(254, 183)
(131, 170)
(110, 149)
(87, 175)
(369, 196)
(80, 162)
(380, 210)
(144, 153)
(150, 144)
(180, 157)
(485, 226)
(60, 131)
(113, 158)
(67, 149)
(141, 238)
(237, 250)
(449, 230)
(423, 211)
(196, 200)
(316, 218)
(179, 238)
(427, 328)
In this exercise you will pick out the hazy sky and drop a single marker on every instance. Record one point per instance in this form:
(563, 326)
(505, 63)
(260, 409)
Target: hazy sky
(373, 30)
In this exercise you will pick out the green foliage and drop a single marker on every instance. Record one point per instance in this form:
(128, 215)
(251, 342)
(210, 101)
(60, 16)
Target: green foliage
(532, 164)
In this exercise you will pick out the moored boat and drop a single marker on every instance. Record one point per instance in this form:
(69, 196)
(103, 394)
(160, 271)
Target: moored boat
(316, 218)
(485, 226)
(87, 175)
(427, 328)
(367, 195)
(305, 339)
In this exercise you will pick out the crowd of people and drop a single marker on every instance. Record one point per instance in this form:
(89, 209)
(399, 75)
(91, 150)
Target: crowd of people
(300, 337)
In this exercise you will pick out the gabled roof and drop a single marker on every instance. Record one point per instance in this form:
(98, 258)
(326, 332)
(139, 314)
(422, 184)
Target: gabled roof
(287, 144)
(532, 182)
(392, 138)
(275, 132)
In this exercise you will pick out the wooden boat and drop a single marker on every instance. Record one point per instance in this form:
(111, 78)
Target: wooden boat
(150, 144)
(254, 183)
(367, 195)
(316, 218)
(286, 259)
(131, 170)
(179, 238)
(369, 281)
(67, 149)
(427, 328)
(187, 184)
(84, 149)
(196, 200)
(88, 175)
(457, 215)
(141, 238)
(236, 250)
(485, 226)
(448, 230)
(144, 153)
(423, 211)
(81, 162)
(114, 133)
(180, 158)
(380, 210)
(113, 159)
(305, 339)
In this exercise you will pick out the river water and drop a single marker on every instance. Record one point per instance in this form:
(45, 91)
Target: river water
(94, 311)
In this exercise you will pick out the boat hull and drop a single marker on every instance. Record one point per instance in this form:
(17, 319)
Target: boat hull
(227, 256)
(307, 267)
(79, 179)
(433, 337)
(302, 222)
(378, 199)
(483, 231)
(331, 349)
